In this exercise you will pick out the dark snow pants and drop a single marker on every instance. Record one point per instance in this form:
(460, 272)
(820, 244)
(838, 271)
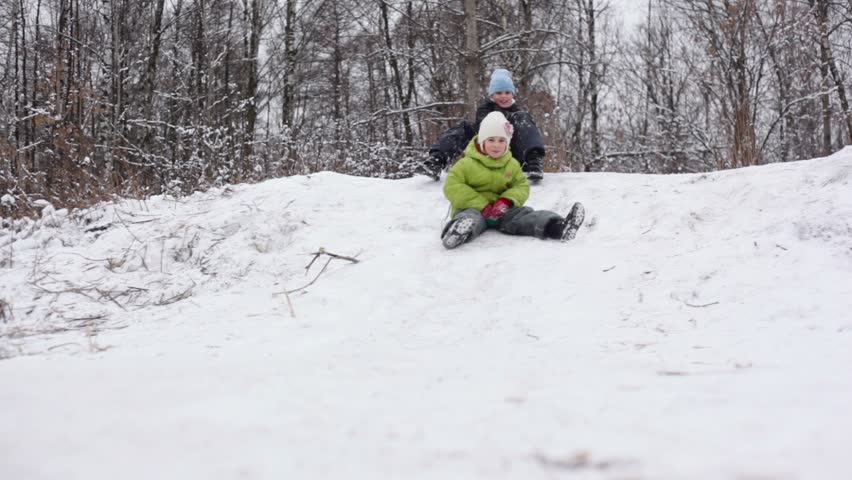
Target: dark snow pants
(517, 221)
(527, 142)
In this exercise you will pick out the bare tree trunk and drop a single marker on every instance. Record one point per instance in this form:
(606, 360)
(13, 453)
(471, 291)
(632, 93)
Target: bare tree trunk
(34, 97)
(200, 61)
(117, 73)
(233, 151)
(199, 112)
(577, 143)
(59, 70)
(649, 87)
(824, 100)
(783, 80)
(371, 101)
(727, 35)
(593, 80)
(396, 77)
(151, 72)
(76, 61)
(525, 62)
(409, 95)
(471, 55)
(69, 62)
(288, 98)
(173, 139)
(16, 60)
(24, 110)
(153, 58)
(744, 135)
(252, 80)
(337, 74)
(820, 11)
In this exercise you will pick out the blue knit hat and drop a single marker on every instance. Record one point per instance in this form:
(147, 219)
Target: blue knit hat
(501, 81)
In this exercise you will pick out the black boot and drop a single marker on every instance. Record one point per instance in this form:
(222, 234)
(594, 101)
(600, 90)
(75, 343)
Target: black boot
(458, 232)
(533, 167)
(431, 167)
(566, 228)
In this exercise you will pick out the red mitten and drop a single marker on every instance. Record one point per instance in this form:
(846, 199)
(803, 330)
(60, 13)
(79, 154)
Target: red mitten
(495, 211)
(501, 206)
(487, 211)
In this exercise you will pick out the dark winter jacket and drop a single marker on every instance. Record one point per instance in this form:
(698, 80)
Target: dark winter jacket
(477, 180)
(491, 106)
(526, 143)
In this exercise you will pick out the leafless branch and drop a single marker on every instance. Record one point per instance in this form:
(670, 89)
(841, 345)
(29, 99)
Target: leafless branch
(700, 306)
(176, 298)
(315, 278)
(316, 255)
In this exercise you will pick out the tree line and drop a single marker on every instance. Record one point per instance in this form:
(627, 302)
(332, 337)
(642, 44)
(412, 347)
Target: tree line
(100, 98)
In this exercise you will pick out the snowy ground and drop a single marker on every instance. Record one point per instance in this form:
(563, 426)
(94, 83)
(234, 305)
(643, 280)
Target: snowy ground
(699, 327)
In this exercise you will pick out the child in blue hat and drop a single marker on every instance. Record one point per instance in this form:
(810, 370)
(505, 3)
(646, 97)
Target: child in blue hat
(527, 144)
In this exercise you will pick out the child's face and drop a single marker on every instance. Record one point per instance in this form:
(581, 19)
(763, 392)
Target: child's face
(503, 99)
(495, 147)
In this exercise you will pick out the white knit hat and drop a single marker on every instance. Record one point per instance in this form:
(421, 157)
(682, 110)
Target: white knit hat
(494, 125)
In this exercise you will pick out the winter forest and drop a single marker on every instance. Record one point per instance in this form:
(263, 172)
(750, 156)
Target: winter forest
(138, 97)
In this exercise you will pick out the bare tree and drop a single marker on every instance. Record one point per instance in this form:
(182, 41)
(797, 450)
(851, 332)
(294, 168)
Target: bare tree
(251, 62)
(819, 8)
(99, 98)
(471, 54)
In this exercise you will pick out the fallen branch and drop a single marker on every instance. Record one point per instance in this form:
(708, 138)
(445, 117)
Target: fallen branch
(322, 251)
(78, 290)
(700, 306)
(62, 345)
(87, 319)
(177, 297)
(109, 297)
(126, 227)
(290, 305)
(342, 257)
(98, 228)
(312, 281)
(578, 461)
(91, 333)
(316, 255)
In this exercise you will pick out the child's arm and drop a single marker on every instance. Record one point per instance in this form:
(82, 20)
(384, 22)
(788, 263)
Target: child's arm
(459, 192)
(519, 192)
(481, 111)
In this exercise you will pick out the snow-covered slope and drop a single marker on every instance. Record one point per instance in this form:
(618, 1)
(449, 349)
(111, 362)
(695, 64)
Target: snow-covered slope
(699, 327)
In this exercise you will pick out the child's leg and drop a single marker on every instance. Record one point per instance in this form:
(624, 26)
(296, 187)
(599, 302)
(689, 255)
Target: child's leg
(566, 229)
(526, 221)
(464, 227)
(562, 228)
(527, 143)
(452, 142)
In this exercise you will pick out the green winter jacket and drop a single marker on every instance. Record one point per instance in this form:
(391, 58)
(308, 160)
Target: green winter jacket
(477, 180)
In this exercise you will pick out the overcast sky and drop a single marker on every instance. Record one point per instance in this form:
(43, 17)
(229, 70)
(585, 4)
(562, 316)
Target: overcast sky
(631, 11)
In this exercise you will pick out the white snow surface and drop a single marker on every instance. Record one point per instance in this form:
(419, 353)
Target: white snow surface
(698, 327)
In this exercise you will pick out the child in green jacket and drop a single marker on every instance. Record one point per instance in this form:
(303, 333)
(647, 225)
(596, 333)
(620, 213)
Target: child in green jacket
(527, 143)
(487, 188)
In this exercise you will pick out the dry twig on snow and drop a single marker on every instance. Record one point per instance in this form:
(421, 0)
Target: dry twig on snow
(322, 251)
(316, 255)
